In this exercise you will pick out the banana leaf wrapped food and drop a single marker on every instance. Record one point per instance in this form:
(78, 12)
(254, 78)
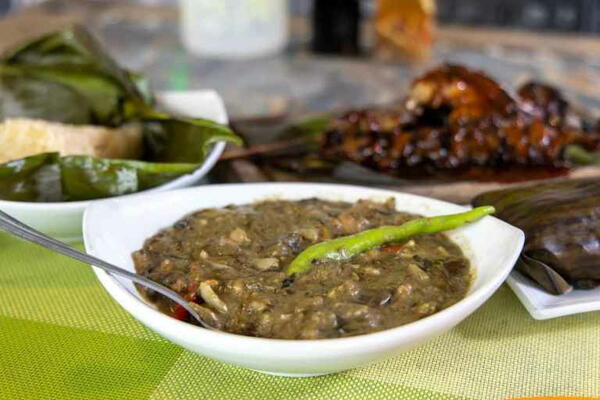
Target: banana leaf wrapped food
(561, 221)
(66, 83)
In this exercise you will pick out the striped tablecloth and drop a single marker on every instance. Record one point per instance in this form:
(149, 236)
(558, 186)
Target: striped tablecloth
(63, 337)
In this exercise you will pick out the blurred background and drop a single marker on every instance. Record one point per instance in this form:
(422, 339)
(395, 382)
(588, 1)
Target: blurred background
(274, 58)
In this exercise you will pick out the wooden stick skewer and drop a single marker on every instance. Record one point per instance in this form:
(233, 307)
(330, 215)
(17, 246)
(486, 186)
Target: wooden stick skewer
(261, 149)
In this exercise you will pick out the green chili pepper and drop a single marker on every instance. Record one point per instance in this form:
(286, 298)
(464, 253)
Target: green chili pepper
(348, 246)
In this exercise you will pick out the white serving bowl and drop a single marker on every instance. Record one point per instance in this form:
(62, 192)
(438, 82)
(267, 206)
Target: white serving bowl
(62, 220)
(113, 229)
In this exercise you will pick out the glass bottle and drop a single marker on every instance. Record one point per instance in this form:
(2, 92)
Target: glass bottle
(404, 29)
(336, 27)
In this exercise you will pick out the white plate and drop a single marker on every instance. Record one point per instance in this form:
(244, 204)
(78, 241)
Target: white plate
(114, 228)
(63, 220)
(542, 305)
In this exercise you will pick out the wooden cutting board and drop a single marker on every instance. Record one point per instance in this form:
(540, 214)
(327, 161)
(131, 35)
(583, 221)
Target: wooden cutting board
(460, 192)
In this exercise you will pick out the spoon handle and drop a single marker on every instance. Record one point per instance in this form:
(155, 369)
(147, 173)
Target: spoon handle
(19, 229)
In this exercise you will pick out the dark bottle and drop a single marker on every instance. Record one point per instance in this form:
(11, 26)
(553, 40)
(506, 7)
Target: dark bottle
(336, 27)
(4, 6)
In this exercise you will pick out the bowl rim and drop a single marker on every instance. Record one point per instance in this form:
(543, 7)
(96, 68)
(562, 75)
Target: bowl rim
(298, 347)
(212, 157)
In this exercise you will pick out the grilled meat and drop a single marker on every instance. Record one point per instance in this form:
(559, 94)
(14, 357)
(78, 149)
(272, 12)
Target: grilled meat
(455, 119)
(547, 104)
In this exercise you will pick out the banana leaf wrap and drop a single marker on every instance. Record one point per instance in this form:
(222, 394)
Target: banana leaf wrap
(68, 77)
(561, 221)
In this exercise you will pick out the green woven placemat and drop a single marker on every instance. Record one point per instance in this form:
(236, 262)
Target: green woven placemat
(63, 337)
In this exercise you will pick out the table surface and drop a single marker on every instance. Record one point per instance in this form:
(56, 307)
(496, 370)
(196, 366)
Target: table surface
(296, 81)
(62, 336)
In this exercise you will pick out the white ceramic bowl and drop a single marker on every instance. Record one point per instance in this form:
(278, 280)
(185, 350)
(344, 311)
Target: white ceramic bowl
(63, 220)
(113, 229)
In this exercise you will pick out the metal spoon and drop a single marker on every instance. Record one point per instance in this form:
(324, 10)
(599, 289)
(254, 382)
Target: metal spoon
(19, 229)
